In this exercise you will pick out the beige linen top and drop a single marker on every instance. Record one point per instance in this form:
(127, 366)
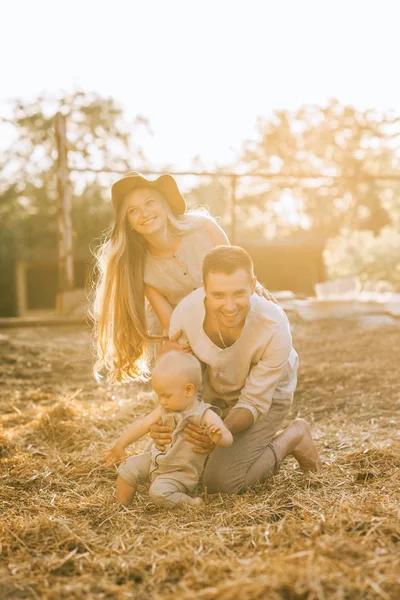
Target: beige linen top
(178, 459)
(177, 275)
(259, 367)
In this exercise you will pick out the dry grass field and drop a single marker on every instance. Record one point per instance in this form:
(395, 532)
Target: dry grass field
(335, 535)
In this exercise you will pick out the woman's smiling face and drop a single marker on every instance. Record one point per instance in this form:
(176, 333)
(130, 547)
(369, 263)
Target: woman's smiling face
(145, 211)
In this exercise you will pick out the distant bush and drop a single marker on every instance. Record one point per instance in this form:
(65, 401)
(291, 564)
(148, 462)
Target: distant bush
(363, 254)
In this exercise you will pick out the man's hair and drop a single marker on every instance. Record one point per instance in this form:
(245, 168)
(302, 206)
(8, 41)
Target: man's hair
(227, 259)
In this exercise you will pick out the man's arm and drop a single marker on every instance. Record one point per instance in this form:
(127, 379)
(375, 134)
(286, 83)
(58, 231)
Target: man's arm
(260, 385)
(239, 419)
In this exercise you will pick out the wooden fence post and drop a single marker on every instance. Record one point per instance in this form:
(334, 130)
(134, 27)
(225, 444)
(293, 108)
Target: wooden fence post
(65, 257)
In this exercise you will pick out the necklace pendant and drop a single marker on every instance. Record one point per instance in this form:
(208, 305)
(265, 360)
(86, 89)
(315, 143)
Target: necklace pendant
(221, 338)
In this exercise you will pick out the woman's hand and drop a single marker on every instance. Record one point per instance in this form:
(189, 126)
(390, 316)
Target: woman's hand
(200, 440)
(173, 344)
(161, 435)
(261, 291)
(113, 455)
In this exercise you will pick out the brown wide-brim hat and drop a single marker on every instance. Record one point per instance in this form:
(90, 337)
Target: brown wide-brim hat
(165, 184)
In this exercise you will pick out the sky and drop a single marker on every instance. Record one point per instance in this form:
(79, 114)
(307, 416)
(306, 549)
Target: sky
(203, 71)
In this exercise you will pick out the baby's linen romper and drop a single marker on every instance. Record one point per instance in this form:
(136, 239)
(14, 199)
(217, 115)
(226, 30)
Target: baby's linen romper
(174, 472)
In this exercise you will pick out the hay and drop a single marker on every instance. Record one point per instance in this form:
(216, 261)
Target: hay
(332, 535)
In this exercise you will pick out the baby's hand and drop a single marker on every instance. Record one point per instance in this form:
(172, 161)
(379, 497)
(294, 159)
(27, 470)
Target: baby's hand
(113, 455)
(214, 432)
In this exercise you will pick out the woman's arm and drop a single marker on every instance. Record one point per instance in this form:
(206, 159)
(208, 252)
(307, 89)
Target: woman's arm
(216, 233)
(164, 310)
(162, 307)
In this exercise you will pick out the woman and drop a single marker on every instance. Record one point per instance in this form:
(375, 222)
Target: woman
(155, 251)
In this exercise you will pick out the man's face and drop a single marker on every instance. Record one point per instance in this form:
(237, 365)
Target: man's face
(228, 296)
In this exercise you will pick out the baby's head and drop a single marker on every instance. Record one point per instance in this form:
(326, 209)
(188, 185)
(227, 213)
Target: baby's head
(176, 379)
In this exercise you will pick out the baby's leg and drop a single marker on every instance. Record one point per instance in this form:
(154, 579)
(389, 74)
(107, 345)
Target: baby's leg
(124, 491)
(170, 492)
(134, 470)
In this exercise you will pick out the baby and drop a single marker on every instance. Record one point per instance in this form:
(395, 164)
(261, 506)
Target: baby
(175, 471)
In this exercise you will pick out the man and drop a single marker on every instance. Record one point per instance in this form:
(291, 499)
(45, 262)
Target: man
(250, 370)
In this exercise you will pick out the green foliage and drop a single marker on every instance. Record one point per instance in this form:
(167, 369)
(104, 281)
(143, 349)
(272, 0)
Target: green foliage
(213, 194)
(97, 135)
(361, 253)
(97, 138)
(342, 144)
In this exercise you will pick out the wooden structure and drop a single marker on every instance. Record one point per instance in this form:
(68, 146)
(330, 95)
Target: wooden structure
(29, 283)
(292, 263)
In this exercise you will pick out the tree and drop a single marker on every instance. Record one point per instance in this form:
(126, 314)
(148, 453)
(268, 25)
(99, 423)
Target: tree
(213, 194)
(369, 256)
(98, 138)
(340, 143)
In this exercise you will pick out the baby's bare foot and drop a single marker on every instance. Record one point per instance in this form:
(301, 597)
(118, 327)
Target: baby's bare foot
(305, 452)
(198, 501)
(193, 503)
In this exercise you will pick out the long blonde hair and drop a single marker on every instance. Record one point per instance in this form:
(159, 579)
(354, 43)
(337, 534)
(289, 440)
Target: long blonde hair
(119, 310)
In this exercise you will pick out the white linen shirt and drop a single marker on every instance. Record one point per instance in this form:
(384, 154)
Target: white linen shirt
(260, 366)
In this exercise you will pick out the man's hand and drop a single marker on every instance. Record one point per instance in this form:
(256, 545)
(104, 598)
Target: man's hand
(161, 435)
(115, 454)
(200, 440)
(173, 344)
